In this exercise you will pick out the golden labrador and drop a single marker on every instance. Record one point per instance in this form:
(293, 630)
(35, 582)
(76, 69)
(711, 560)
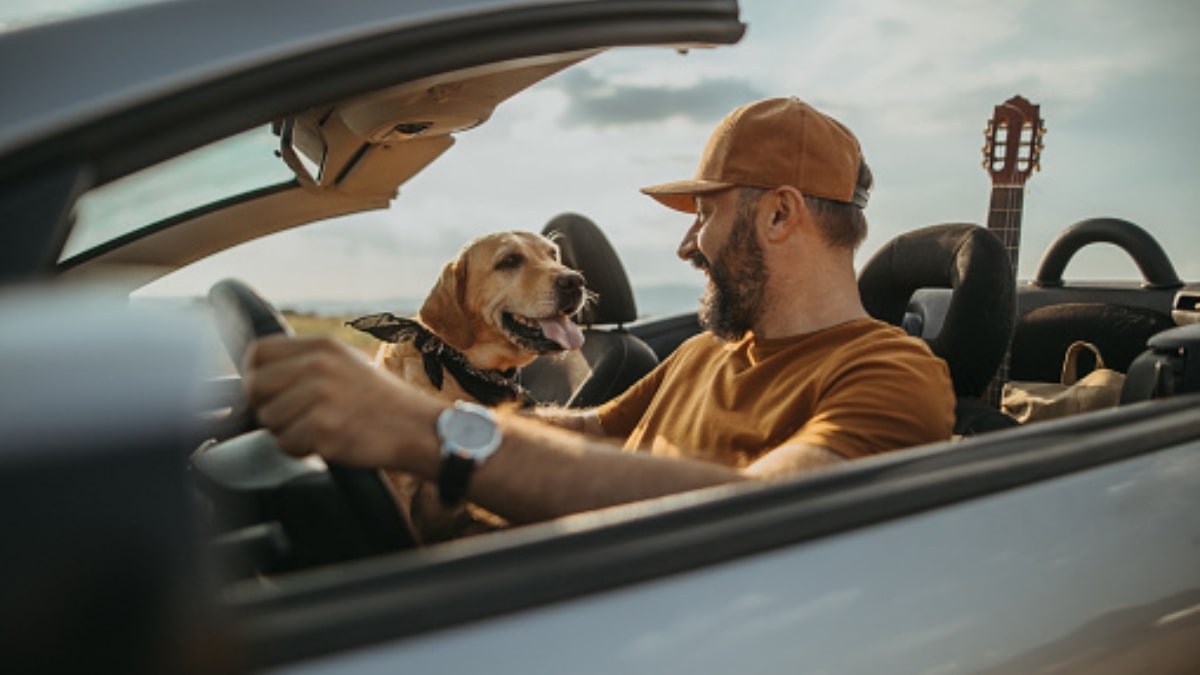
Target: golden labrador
(505, 300)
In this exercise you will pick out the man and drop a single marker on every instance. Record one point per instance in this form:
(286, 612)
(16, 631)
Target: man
(791, 376)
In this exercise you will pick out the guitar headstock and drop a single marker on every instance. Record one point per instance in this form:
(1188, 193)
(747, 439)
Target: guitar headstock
(1013, 145)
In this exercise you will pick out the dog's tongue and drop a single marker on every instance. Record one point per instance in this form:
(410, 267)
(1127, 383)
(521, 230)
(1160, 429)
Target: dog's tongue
(563, 331)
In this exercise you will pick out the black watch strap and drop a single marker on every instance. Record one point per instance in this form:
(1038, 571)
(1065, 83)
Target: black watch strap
(452, 478)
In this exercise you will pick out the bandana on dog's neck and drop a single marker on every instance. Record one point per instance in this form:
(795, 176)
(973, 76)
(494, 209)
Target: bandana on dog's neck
(489, 387)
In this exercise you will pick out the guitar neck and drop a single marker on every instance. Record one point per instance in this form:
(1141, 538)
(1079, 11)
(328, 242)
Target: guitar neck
(1004, 218)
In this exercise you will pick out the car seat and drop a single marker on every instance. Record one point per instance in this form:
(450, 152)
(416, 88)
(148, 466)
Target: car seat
(979, 306)
(1170, 366)
(611, 358)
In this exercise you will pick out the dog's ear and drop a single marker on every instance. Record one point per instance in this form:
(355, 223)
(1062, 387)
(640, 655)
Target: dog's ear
(445, 310)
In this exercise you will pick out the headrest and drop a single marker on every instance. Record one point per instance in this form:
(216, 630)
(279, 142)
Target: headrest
(585, 248)
(979, 321)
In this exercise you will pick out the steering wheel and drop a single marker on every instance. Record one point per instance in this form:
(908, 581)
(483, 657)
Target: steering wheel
(242, 316)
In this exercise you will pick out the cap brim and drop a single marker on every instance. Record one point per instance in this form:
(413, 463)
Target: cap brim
(680, 195)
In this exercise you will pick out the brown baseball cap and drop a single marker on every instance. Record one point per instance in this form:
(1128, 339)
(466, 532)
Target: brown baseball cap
(769, 143)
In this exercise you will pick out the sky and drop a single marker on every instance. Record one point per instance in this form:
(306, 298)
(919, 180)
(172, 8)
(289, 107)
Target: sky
(916, 80)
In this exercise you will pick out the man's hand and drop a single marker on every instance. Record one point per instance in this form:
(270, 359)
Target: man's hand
(319, 396)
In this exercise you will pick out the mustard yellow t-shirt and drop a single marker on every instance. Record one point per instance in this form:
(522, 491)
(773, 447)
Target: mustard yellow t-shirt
(858, 388)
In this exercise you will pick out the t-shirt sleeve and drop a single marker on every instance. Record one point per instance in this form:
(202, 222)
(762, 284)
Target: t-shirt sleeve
(619, 416)
(875, 404)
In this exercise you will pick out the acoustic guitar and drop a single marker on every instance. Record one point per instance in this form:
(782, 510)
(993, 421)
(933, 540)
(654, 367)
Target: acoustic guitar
(1012, 151)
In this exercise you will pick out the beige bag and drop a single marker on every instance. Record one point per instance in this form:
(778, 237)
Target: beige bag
(1034, 401)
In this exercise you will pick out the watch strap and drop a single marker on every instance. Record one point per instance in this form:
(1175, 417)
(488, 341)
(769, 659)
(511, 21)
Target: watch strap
(453, 476)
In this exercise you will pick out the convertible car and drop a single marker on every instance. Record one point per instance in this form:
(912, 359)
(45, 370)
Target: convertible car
(149, 527)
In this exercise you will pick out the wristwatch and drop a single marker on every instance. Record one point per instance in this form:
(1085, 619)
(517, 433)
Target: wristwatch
(469, 435)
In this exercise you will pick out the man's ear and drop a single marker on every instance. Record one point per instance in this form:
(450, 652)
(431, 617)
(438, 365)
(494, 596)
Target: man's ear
(785, 212)
(445, 310)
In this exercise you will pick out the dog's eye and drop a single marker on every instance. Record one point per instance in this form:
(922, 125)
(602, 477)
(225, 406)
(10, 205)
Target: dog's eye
(510, 262)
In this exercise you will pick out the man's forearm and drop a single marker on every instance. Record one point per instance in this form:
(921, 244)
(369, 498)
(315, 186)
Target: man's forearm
(541, 473)
(579, 421)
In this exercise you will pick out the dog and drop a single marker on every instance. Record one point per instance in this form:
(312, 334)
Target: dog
(506, 299)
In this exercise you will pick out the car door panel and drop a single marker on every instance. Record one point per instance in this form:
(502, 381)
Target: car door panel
(1080, 574)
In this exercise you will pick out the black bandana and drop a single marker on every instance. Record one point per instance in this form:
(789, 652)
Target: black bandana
(489, 387)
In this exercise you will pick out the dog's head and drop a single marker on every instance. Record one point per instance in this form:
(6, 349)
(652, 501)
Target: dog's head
(505, 299)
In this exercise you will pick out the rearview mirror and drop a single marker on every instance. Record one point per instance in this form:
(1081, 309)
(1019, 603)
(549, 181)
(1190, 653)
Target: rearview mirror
(302, 148)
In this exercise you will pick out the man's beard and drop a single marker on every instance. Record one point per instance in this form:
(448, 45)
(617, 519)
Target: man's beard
(737, 280)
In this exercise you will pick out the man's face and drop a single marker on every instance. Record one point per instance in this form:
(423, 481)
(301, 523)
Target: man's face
(722, 242)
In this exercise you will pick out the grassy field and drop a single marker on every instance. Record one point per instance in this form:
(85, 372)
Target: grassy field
(333, 326)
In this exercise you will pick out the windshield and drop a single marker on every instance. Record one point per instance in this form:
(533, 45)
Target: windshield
(229, 167)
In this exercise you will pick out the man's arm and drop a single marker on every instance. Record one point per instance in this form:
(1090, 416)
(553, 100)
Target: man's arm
(792, 458)
(580, 421)
(318, 397)
(541, 473)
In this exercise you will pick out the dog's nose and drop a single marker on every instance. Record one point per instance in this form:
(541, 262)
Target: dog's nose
(569, 287)
(569, 281)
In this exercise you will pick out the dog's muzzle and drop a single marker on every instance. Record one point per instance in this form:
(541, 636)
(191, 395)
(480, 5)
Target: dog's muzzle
(569, 287)
(551, 333)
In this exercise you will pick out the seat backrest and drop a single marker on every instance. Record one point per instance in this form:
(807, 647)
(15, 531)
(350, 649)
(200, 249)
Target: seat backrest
(1043, 335)
(611, 358)
(1119, 321)
(978, 321)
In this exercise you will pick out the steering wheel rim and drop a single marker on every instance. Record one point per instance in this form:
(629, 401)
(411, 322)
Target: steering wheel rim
(242, 316)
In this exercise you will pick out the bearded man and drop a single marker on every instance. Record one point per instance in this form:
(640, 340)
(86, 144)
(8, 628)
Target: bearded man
(791, 374)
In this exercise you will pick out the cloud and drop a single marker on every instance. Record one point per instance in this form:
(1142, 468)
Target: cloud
(916, 66)
(601, 102)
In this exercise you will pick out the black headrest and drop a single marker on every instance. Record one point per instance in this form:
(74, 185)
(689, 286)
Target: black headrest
(586, 249)
(979, 321)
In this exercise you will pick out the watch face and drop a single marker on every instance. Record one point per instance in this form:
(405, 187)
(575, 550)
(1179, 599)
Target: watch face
(472, 431)
(469, 432)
